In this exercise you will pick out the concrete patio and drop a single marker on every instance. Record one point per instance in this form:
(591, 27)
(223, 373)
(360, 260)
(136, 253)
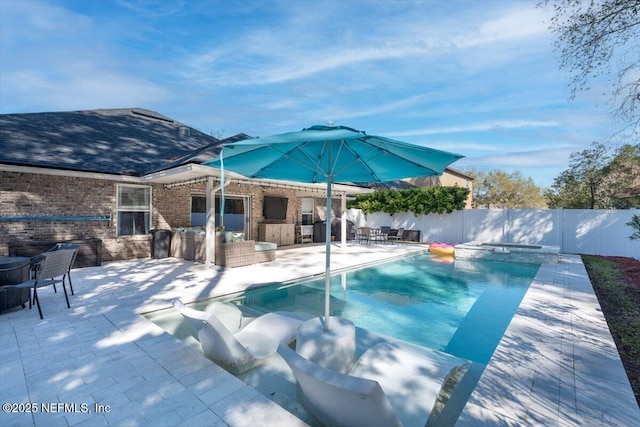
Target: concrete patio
(556, 365)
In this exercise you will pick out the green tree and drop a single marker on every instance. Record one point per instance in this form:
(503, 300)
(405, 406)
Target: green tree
(500, 189)
(600, 40)
(578, 186)
(567, 191)
(621, 186)
(598, 179)
(635, 225)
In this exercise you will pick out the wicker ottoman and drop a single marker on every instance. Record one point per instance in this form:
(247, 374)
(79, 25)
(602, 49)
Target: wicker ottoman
(236, 254)
(265, 251)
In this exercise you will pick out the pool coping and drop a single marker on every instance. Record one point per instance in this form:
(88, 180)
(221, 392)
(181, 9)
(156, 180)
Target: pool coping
(566, 369)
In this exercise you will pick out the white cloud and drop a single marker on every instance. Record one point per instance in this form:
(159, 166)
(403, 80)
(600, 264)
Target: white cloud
(37, 18)
(377, 109)
(271, 64)
(295, 51)
(480, 127)
(517, 24)
(95, 89)
(544, 157)
(478, 78)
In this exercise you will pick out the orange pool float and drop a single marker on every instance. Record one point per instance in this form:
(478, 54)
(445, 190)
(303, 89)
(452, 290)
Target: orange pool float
(444, 259)
(442, 248)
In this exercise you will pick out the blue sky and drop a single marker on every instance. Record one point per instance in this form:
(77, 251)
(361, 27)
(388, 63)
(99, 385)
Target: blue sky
(479, 78)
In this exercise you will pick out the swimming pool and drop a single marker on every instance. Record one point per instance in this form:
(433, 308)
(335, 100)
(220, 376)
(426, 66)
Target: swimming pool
(462, 308)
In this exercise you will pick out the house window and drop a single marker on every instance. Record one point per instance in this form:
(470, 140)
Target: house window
(237, 212)
(198, 210)
(134, 210)
(307, 211)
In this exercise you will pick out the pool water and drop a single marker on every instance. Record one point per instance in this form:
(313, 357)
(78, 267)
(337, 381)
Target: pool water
(462, 308)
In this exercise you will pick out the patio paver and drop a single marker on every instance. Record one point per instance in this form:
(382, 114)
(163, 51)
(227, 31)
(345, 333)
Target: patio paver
(556, 364)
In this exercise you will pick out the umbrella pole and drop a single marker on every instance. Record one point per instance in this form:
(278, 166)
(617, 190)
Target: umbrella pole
(221, 189)
(327, 269)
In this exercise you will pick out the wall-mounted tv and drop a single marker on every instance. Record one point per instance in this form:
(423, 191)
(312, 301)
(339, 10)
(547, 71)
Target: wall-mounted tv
(275, 207)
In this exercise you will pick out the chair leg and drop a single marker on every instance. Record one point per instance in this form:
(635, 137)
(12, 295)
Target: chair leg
(70, 284)
(64, 288)
(35, 297)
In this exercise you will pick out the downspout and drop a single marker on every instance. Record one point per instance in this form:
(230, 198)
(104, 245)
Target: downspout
(210, 226)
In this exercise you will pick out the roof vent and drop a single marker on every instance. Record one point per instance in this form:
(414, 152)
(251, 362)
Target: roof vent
(185, 131)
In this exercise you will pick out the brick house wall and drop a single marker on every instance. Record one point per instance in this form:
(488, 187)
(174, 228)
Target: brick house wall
(25, 194)
(257, 194)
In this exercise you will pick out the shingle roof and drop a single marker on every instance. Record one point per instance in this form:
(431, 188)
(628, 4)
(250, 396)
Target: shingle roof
(130, 141)
(205, 153)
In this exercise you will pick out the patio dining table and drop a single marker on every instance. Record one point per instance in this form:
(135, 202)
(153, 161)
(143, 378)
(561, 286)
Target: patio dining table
(13, 270)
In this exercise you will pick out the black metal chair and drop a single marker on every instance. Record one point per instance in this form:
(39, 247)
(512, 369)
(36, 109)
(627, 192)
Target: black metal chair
(363, 235)
(377, 235)
(71, 246)
(52, 267)
(396, 237)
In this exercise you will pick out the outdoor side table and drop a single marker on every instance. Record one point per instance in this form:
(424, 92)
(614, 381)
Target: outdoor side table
(10, 298)
(334, 349)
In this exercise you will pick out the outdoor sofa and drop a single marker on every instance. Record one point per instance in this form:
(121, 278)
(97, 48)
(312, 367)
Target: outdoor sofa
(244, 252)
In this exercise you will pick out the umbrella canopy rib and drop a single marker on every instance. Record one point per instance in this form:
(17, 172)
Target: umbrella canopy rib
(318, 161)
(360, 160)
(315, 166)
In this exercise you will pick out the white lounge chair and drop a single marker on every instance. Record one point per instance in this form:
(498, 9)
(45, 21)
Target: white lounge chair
(247, 347)
(391, 384)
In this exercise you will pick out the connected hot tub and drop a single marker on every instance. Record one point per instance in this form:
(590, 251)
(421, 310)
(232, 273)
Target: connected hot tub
(512, 252)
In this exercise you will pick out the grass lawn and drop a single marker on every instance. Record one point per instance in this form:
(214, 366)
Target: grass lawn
(616, 281)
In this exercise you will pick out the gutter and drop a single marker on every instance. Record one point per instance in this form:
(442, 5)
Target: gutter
(70, 173)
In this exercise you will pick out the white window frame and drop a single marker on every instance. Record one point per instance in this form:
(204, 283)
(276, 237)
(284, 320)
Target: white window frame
(309, 212)
(136, 208)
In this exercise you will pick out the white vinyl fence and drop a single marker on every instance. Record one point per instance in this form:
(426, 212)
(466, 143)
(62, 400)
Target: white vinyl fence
(580, 231)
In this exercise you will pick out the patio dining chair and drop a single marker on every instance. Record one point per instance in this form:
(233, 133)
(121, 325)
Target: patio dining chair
(70, 246)
(51, 268)
(397, 237)
(377, 235)
(363, 235)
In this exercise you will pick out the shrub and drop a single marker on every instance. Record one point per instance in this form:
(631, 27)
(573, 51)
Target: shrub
(420, 201)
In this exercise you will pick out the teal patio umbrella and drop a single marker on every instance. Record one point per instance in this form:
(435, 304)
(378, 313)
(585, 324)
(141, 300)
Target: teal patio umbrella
(331, 154)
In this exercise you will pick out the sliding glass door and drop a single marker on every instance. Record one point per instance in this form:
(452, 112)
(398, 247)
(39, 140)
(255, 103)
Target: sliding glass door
(236, 217)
